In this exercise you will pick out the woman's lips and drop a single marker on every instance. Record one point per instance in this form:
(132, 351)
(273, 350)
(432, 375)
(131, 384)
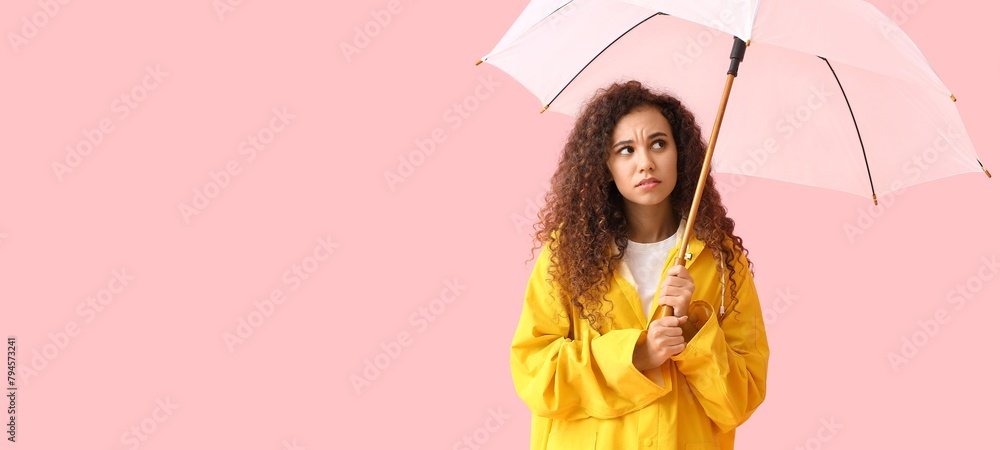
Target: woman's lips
(648, 184)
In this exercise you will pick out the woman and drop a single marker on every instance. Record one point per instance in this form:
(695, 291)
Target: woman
(595, 372)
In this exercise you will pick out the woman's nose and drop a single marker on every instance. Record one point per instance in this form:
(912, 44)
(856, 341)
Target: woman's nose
(643, 159)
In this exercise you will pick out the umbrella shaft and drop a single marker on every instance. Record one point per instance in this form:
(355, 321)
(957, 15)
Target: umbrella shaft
(663, 310)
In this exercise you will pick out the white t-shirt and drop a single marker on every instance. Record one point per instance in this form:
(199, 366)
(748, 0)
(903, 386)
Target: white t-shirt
(645, 262)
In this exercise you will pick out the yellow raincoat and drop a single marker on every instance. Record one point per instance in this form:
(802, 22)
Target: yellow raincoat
(584, 393)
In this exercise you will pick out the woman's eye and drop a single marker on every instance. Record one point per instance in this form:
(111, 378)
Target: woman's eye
(624, 149)
(659, 144)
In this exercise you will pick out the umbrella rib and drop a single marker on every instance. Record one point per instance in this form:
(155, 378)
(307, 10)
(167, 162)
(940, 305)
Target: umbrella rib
(535, 24)
(856, 129)
(599, 54)
(984, 168)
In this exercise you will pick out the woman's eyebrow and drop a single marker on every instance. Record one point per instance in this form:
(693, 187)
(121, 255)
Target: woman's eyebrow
(629, 141)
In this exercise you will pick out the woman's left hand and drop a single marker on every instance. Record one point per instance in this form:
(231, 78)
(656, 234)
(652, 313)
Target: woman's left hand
(677, 289)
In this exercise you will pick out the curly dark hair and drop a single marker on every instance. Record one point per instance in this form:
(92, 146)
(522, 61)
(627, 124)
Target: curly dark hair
(586, 211)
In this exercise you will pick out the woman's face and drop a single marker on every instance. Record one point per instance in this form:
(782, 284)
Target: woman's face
(643, 157)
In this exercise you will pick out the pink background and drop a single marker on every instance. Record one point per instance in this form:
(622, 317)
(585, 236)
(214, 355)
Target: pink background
(162, 337)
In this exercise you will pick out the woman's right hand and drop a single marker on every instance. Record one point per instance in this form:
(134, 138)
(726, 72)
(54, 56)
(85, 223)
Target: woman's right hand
(664, 339)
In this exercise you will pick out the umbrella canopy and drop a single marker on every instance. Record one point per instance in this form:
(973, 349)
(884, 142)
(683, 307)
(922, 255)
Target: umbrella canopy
(832, 94)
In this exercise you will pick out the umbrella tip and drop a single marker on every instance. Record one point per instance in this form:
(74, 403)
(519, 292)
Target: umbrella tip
(875, 198)
(987, 173)
(479, 62)
(543, 109)
(953, 98)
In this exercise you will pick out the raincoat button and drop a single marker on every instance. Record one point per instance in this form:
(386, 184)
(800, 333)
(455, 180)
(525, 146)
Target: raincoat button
(649, 442)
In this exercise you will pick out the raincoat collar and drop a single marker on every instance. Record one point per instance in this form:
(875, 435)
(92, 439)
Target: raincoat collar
(626, 283)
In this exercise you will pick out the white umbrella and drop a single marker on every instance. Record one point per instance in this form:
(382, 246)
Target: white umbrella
(832, 94)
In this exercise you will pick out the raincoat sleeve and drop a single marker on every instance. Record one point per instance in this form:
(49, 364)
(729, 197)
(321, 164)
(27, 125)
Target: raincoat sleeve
(565, 377)
(726, 363)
